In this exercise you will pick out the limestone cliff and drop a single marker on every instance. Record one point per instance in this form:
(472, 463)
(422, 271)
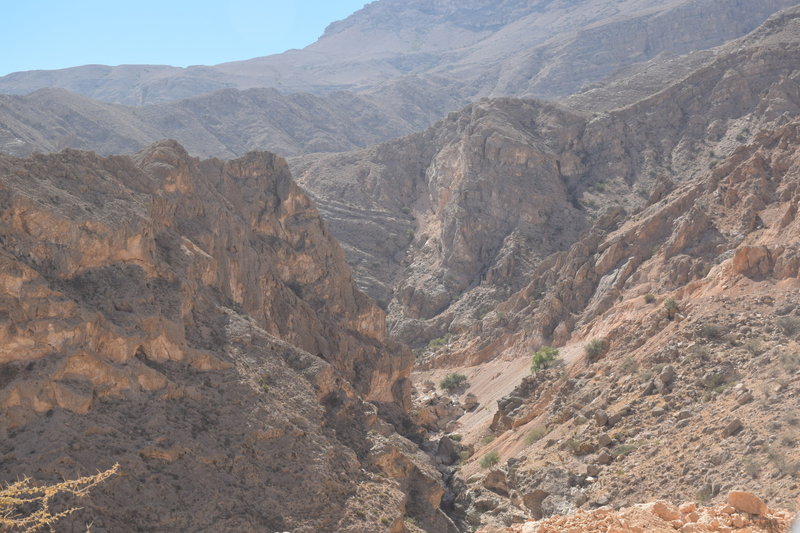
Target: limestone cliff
(443, 225)
(195, 321)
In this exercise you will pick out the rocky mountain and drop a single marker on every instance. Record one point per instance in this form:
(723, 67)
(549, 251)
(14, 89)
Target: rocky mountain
(195, 322)
(513, 47)
(678, 379)
(224, 124)
(390, 69)
(442, 225)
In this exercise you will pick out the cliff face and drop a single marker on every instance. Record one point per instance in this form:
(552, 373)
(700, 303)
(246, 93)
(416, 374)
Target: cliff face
(692, 308)
(459, 217)
(195, 321)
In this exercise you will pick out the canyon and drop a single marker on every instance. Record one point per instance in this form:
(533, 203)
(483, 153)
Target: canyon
(453, 307)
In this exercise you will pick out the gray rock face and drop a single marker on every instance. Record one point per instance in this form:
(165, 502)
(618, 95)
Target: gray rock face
(443, 225)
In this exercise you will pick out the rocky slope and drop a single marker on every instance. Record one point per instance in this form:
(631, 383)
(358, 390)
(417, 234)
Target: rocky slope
(690, 390)
(745, 514)
(195, 322)
(442, 225)
(512, 47)
(224, 124)
(388, 70)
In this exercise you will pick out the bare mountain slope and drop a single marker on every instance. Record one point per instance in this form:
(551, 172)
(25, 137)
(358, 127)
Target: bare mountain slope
(223, 124)
(195, 322)
(508, 48)
(690, 390)
(441, 224)
(404, 65)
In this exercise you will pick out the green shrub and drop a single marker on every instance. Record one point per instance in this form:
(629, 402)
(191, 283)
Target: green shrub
(452, 381)
(543, 358)
(439, 342)
(649, 298)
(755, 346)
(456, 437)
(594, 349)
(535, 435)
(671, 306)
(624, 449)
(487, 439)
(490, 459)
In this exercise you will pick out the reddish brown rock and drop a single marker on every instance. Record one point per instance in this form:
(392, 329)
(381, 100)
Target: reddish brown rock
(747, 502)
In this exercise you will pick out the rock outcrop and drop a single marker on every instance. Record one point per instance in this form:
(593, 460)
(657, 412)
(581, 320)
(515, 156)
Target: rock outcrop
(195, 322)
(443, 225)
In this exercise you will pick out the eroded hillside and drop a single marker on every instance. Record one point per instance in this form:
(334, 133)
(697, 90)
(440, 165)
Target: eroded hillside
(691, 390)
(440, 226)
(195, 322)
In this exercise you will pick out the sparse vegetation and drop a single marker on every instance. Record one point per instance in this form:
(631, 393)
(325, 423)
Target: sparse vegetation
(27, 507)
(755, 347)
(543, 358)
(624, 449)
(783, 464)
(490, 459)
(649, 298)
(535, 435)
(595, 348)
(671, 307)
(573, 446)
(456, 437)
(711, 331)
(411, 521)
(751, 467)
(452, 381)
(705, 494)
(487, 439)
(629, 366)
(439, 342)
(790, 362)
(790, 325)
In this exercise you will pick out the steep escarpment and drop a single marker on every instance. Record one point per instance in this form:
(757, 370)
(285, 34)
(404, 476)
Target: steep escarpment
(481, 197)
(441, 225)
(678, 332)
(195, 322)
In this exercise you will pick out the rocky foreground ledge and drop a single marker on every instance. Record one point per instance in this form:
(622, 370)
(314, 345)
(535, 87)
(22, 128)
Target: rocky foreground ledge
(744, 512)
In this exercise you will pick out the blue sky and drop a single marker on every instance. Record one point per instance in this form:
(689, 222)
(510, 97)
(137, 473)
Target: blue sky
(47, 34)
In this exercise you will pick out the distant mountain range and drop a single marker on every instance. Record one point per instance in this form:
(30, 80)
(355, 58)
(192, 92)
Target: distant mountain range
(390, 69)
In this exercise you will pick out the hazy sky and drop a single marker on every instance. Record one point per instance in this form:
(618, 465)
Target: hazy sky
(47, 34)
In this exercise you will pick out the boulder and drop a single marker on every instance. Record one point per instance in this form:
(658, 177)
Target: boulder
(665, 511)
(732, 427)
(747, 502)
(496, 481)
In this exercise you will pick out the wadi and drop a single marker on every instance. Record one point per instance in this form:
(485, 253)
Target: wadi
(513, 266)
